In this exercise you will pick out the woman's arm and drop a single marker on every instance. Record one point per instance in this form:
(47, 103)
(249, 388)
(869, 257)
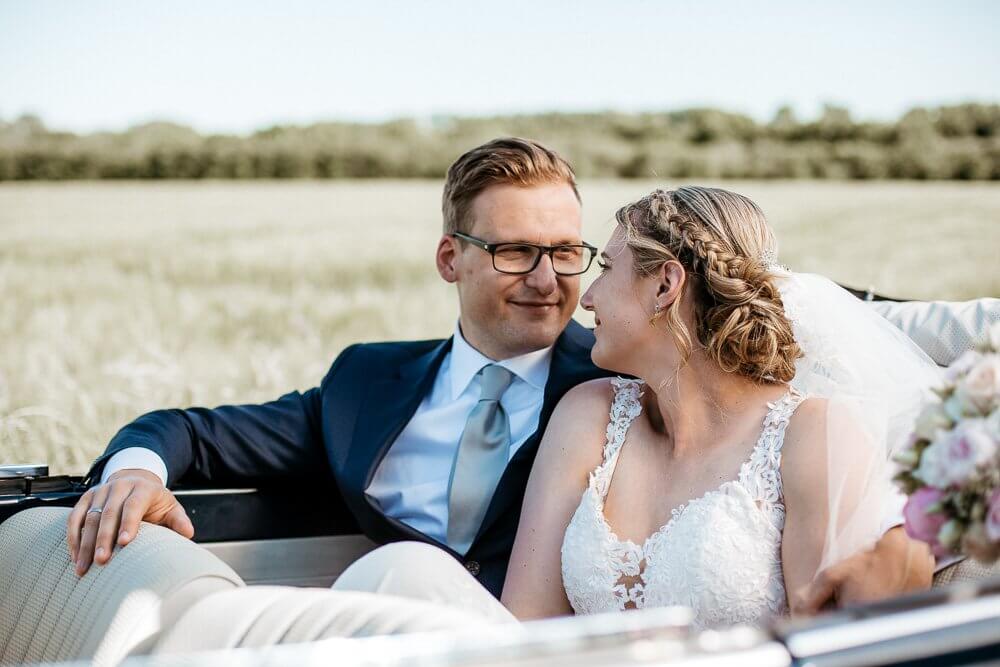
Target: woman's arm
(835, 482)
(571, 448)
(804, 486)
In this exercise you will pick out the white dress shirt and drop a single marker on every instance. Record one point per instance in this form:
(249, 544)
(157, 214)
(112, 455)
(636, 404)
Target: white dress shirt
(411, 482)
(136, 457)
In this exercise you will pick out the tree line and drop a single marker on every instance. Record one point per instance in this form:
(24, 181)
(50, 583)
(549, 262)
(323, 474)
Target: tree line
(949, 142)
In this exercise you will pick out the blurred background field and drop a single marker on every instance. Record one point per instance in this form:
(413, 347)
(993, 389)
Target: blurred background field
(119, 298)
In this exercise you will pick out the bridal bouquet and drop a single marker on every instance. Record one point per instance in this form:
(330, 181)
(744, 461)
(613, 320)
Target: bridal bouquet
(951, 465)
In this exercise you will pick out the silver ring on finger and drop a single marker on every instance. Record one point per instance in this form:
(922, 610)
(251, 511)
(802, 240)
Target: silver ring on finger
(95, 510)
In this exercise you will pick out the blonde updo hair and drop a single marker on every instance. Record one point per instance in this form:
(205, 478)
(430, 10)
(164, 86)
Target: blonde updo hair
(724, 243)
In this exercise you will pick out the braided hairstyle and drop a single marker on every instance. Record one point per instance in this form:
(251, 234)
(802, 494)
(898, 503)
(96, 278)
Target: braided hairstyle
(721, 239)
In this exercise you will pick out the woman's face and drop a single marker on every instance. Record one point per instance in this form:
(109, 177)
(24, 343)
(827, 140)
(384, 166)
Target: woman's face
(622, 303)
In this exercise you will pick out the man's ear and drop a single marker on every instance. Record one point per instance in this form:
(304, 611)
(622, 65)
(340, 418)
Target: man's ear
(671, 279)
(446, 258)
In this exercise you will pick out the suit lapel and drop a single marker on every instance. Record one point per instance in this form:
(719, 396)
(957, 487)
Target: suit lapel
(387, 407)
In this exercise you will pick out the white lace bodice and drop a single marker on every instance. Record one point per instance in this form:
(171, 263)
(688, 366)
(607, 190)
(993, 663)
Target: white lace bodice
(719, 554)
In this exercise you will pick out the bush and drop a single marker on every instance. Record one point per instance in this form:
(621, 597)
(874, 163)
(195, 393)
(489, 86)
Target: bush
(956, 142)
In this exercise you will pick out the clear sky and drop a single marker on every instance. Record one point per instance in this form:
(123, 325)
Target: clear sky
(236, 66)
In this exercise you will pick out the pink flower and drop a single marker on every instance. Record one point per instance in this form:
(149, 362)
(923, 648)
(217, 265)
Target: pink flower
(979, 391)
(993, 517)
(919, 524)
(957, 454)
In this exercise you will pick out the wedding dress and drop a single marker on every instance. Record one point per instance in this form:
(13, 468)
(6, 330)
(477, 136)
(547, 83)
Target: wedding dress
(719, 554)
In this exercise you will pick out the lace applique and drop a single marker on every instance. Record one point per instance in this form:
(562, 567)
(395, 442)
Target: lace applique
(761, 473)
(720, 554)
(625, 407)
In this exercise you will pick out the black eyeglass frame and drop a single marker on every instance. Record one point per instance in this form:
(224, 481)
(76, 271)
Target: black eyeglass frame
(492, 249)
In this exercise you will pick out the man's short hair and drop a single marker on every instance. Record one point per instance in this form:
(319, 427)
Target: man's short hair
(507, 161)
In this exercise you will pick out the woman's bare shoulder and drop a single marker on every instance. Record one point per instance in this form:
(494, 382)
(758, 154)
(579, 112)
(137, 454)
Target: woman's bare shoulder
(808, 419)
(803, 450)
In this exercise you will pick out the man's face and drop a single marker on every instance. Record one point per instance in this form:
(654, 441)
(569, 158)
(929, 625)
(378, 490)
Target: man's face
(505, 315)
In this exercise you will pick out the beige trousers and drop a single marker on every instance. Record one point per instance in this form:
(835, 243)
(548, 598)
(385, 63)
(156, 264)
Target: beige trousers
(420, 571)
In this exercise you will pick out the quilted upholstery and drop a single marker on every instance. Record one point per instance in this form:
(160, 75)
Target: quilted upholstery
(966, 570)
(944, 329)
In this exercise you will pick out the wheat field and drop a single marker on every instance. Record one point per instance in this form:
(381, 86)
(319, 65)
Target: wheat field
(118, 298)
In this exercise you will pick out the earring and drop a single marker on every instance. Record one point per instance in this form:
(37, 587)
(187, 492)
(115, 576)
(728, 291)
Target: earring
(657, 309)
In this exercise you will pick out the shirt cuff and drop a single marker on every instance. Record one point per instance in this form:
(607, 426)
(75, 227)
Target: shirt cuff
(136, 457)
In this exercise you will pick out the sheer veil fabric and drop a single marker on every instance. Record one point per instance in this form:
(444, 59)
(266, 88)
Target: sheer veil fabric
(874, 380)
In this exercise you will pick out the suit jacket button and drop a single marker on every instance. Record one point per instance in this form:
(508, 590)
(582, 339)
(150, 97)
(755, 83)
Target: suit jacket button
(473, 568)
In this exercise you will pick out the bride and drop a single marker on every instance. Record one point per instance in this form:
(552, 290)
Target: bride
(750, 451)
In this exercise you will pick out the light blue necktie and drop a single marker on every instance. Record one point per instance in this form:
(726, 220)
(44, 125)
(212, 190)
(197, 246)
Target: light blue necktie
(481, 459)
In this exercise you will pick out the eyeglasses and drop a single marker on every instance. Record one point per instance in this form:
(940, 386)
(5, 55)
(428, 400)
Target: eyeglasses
(519, 258)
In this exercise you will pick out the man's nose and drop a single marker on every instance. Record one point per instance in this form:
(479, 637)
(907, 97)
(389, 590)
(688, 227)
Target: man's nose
(543, 278)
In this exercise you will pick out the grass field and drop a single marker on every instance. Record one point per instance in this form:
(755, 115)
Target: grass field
(121, 298)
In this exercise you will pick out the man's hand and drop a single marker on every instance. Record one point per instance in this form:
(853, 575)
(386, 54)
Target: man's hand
(894, 566)
(111, 512)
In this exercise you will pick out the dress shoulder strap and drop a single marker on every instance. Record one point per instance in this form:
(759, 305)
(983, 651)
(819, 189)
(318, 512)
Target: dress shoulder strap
(761, 474)
(625, 407)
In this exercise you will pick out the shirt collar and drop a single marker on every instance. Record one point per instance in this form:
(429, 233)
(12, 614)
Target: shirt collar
(466, 362)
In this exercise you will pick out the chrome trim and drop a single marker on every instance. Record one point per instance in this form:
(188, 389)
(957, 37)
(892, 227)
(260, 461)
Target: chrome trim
(211, 492)
(901, 636)
(659, 636)
(25, 470)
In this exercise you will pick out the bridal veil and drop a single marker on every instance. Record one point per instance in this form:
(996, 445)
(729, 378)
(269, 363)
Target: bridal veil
(874, 380)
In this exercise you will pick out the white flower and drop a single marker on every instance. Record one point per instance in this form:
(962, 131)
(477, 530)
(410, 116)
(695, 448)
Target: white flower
(955, 455)
(933, 468)
(932, 419)
(961, 366)
(954, 407)
(979, 390)
(993, 424)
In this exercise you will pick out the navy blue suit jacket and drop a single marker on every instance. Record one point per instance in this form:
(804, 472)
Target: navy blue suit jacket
(337, 434)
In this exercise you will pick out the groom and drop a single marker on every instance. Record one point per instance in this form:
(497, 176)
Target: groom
(429, 440)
